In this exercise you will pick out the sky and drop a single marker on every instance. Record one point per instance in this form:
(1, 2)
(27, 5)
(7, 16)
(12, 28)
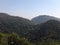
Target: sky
(30, 8)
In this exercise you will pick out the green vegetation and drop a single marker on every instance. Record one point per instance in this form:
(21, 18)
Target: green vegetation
(13, 39)
(27, 33)
(9, 24)
(47, 33)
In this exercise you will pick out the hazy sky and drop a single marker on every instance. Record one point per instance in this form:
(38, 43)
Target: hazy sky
(30, 8)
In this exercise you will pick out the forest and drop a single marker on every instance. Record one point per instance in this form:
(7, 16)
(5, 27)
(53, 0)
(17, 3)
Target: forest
(16, 30)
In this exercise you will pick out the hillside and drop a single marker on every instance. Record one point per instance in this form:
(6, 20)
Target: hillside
(47, 30)
(9, 24)
(43, 18)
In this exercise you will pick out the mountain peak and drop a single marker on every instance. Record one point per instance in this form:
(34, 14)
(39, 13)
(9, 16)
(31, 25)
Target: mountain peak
(43, 18)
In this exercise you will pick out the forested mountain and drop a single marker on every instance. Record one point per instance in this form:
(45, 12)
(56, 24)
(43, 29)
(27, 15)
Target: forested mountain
(49, 29)
(20, 31)
(43, 18)
(16, 24)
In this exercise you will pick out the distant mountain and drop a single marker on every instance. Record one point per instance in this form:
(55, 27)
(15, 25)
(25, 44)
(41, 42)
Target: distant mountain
(9, 24)
(43, 18)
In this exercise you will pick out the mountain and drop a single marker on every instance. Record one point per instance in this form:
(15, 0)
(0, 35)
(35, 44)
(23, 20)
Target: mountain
(43, 18)
(47, 30)
(9, 24)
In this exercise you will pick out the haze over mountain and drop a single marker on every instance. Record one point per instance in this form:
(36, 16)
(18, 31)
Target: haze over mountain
(43, 18)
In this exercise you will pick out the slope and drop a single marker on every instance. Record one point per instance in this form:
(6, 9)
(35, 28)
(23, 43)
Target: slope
(9, 24)
(43, 18)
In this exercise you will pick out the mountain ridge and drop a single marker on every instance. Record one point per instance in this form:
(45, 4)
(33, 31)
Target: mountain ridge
(47, 32)
(43, 18)
(14, 24)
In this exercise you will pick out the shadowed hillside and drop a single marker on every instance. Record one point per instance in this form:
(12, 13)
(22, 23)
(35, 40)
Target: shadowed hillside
(9, 24)
(45, 32)
(49, 29)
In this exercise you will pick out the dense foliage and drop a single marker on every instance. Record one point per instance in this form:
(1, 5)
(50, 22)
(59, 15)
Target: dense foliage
(9, 24)
(48, 32)
(27, 33)
(13, 39)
